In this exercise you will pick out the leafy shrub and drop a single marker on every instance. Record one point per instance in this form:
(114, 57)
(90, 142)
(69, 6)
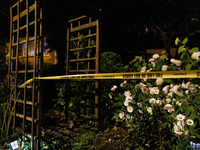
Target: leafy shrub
(84, 139)
(161, 113)
(110, 62)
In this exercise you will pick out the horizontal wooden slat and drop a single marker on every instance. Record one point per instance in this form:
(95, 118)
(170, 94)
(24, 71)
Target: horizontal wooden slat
(23, 13)
(88, 25)
(21, 57)
(16, 3)
(23, 27)
(27, 102)
(24, 41)
(77, 18)
(31, 23)
(15, 30)
(28, 86)
(86, 36)
(27, 118)
(82, 48)
(22, 71)
(91, 70)
(83, 59)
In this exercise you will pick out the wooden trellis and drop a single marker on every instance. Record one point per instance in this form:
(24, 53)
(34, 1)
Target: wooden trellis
(25, 62)
(83, 57)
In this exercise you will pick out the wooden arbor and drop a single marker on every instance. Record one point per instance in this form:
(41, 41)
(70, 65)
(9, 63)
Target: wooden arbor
(25, 62)
(83, 57)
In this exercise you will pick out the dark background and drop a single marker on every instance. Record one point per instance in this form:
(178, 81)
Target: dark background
(123, 24)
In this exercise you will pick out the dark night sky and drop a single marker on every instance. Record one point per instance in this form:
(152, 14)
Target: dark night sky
(123, 24)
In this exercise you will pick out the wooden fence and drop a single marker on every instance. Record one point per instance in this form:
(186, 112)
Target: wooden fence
(26, 31)
(83, 57)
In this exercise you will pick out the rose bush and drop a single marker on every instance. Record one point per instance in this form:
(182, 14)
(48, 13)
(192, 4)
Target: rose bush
(161, 113)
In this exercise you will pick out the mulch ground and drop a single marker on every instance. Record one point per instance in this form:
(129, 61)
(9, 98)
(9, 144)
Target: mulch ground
(56, 130)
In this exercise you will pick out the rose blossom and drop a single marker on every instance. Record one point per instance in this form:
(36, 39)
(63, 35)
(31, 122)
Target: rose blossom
(164, 68)
(156, 56)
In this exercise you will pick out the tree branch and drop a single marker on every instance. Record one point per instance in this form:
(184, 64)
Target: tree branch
(4, 13)
(195, 32)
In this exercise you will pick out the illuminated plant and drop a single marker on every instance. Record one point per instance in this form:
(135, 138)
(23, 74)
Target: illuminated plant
(161, 113)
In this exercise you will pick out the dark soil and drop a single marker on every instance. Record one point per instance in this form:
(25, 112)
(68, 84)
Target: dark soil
(57, 134)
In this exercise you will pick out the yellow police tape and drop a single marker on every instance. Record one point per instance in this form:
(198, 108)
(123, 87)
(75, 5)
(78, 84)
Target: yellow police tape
(126, 75)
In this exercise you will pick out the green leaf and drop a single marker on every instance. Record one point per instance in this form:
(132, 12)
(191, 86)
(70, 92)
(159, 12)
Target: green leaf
(191, 131)
(187, 112)
(197, 135)
(192, 116)
(188, 67)
(194, 49)
(62, 103)
(180, 49)
(185, 41)
(182, 56)
(70, 105)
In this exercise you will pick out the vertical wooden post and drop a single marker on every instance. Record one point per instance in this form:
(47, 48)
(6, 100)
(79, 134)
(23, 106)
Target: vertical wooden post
(67, 98)
(34, 82)
(10, 52)
(97, 71)
(16, 67)
(40, 73)
(26, 68)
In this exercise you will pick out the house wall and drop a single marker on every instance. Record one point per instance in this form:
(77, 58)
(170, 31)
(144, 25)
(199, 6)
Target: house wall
(50, 58)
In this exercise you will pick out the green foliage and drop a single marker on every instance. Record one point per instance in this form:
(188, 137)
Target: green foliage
(152, 109)
(80, 101)
(60, 87)
(110, 62)
(84, 139)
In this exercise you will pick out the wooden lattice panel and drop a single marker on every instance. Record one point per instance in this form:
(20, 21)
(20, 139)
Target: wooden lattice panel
(83, 56)
(26, 48)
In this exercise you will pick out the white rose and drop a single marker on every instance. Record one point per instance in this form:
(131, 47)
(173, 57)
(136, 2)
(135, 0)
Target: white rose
(165, 89)
(169, 108)
(125, 82)
(183, 85)
(191, 87)
(177, 130)
(179, 94)
(143, 68)
(158, 102)
(187, 85)
(186, 92)
(143, 71)
(195, 56)
(168, 100)
(156, 56)
(177, 62)
(145, 79)
(150, 60)
(170, 94)
(164, 68)
(121, 84)
(172, 60)
(178, 103)
(151, 91)
(159, 81)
